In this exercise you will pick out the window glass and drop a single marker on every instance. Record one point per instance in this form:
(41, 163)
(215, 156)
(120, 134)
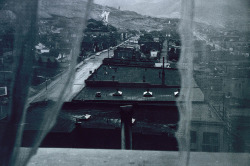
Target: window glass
(193, 136)
(179, 69)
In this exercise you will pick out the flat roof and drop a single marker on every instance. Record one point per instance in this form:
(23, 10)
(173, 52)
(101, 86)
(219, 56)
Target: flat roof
(134, 93)
(132, 74)
(88, 93)
(130, 81)
(103, 116)
(149, 118)
(36, 113)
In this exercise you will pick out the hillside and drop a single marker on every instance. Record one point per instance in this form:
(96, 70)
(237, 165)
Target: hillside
(117, 18)
(218, 13)
(213, 12)
(155, 8)
(221, 13)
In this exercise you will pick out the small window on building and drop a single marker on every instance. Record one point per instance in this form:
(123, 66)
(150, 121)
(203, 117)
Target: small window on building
(210, 142)
(193, 136)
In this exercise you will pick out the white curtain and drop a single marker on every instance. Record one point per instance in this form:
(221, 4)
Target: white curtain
(24, 16)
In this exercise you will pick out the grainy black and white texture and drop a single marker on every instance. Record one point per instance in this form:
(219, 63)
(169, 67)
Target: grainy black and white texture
(214, 58)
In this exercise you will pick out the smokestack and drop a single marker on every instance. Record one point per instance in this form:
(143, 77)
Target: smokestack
(163, 72)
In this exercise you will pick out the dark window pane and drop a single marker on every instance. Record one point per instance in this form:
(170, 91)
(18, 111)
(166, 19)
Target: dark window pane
(193, 136)
(210, 142)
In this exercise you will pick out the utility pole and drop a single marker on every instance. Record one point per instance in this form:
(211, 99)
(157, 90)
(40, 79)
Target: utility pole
(168, 39)
(167, 49)
(223, 106)
(163, 72)
(3, 71)
(109, 43)
(108, 50)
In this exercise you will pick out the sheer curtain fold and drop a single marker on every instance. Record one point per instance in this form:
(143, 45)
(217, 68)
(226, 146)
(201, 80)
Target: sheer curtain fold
(213, 35)
(26, 25)
(185, 99)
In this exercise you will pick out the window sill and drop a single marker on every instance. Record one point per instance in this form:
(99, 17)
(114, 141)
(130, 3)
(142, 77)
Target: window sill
(65, 157)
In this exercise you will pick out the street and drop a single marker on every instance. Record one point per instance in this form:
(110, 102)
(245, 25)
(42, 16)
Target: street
(82, 73)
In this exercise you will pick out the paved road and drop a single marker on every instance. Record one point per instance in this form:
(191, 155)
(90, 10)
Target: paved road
(82, 73)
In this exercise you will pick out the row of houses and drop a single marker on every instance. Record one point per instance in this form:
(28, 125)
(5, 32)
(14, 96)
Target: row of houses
(43, 54)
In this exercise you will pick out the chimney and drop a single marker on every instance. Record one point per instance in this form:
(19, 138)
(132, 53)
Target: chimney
(163, 72)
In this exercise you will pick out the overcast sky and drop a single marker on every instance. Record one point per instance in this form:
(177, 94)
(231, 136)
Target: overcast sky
(204, 9)
(124, 4)
(116, 3)
(145, 7)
